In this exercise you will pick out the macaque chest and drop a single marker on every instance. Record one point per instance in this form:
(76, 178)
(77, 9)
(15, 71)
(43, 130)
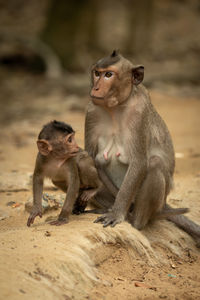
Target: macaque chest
(56, 171)
(112, 157)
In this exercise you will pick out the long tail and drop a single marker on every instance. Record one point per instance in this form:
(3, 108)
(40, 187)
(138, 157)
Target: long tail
(167, 212)
(187, 225)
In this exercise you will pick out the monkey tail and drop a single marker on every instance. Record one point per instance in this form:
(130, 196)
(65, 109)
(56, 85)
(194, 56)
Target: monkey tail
(169, 211)
(187, 225)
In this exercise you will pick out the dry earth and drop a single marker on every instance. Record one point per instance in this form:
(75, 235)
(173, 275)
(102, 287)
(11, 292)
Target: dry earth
(81, 260)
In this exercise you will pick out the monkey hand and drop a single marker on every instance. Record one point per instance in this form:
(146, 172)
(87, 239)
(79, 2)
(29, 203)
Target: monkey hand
(110, 218)
(60, 221)
(36, 211)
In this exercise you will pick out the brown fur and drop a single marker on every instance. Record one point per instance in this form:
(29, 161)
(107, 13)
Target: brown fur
(131, 144)
(69, 167)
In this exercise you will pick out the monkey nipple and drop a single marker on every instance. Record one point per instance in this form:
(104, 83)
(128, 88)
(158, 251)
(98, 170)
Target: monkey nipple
(118, 154)
(105, 155)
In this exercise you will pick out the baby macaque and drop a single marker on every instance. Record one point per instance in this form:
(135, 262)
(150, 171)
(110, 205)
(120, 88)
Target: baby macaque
(69, 167)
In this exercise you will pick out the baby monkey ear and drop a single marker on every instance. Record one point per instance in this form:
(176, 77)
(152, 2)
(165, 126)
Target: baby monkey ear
(44, 147)
(138, 74)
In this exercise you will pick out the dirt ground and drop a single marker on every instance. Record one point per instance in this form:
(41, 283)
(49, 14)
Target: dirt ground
(42, 262)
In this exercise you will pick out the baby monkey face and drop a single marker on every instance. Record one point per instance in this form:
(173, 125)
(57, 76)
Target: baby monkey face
(60, 147)
(65, 146)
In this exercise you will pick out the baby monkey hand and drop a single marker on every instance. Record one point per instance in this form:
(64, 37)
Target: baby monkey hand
(36, 211)
(60, 221)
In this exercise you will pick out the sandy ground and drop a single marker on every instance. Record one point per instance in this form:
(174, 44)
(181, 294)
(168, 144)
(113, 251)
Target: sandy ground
(81, 260)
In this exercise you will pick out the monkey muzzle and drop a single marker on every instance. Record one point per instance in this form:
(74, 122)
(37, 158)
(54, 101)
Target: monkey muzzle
(97, 100)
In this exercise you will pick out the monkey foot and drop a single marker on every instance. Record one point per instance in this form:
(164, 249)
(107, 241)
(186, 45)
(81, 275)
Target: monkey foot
(87, 195)
(78, 210)
(109, 219)
(59, 222)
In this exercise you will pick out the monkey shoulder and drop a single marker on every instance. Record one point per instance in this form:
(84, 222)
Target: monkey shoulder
(141, 98)
(136, 114)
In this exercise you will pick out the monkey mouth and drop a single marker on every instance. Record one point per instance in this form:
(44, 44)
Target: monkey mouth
(96, 97)
(75, 152)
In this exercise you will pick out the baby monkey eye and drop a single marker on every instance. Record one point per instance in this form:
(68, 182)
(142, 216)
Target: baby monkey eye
(108, 74)
(69, 139)
(97, 73)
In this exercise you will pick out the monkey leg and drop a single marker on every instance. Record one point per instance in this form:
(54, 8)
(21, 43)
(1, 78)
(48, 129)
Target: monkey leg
(151, 196)
(79, 207)
(61, 185)
(81, 203)
(103, 199)
(101, 202)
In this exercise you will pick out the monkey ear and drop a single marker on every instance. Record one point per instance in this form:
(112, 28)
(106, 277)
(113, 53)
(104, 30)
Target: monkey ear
(138, 74)
(44, 147)
(115, 53)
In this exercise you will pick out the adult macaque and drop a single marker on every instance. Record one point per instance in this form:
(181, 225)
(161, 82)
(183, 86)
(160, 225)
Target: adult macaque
(70, 168)
(131, 146)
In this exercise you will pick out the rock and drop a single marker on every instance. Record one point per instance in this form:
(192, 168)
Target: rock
(49, 202)
(142, 284)
(10, 203)
(47, 233)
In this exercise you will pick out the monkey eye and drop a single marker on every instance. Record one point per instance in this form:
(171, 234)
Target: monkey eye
(69, 139)
(97, 73)
(108, 74)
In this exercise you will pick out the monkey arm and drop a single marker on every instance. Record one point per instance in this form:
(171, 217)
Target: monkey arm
(132, 181)
(128, 190)
(37, 197)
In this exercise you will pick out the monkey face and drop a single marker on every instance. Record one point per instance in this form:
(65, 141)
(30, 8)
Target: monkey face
(70, 144)
(103, 81)
(110, 86)
(113, 78)
(63, 147)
